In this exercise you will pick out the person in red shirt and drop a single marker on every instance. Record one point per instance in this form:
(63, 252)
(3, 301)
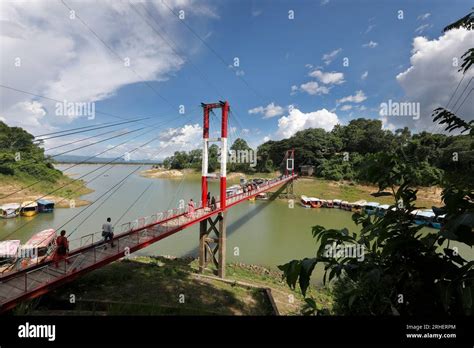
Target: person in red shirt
(62, 249)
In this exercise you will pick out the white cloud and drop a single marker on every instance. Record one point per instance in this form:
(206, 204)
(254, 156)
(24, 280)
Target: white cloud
(324, 2)
(431, 78)
(61, 58)
(256, 13)
(358, 97)
(298, 120)
(370, 44)
(313, 88)
(266, 138)
(271, 110)
(294, 89)
(422, 28)
(346, 107)
(364, 75)
(329, 57)
(424, 16)
(29, 112)
(369, 28)
(328, 77)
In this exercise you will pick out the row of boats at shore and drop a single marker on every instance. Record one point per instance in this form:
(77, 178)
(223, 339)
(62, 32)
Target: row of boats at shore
(424, 217)
(30, 208)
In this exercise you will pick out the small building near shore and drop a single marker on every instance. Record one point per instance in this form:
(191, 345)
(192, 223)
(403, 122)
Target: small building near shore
(306, 170)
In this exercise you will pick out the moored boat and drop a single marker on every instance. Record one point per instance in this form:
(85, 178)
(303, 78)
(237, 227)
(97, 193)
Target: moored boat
(305, 202)
(337, 203)
(438, 221)
(10, 210)
(315, 202)
(29, 208)
(45, 206)
(262, 196)
(381, 210)
(358, 206)
(423, 217)
(370, 208)
(328, 204)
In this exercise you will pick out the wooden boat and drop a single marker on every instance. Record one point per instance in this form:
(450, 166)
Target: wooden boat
(358, 206)
(10, 210)
(8, 255)
(346, 205)
(423, 217)
(29, 208)
(45, 206)
(315, 202)
(39, 248)
(337, 203)
(328, 204)
(370, 208)
(381, 210)
(305, 202)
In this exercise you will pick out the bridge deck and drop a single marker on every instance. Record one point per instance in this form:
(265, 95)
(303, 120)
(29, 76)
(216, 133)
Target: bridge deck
(91, 254)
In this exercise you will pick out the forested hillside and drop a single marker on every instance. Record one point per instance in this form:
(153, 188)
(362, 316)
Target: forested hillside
(360, 152)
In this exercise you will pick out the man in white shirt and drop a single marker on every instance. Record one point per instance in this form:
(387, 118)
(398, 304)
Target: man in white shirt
(108, 232)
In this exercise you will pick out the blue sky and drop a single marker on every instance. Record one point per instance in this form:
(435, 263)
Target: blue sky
(291, 74)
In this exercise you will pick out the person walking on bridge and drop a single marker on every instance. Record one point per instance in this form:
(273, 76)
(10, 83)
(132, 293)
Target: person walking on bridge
(62, 249)
(108, 233)
(213, 203)
(191, 208)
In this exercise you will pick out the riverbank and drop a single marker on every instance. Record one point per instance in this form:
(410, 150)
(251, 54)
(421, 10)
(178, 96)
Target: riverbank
(21, 190)
(315, 187)
(172, 286)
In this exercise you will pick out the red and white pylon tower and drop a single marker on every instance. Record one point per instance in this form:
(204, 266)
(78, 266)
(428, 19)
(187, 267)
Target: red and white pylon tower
(209, 247)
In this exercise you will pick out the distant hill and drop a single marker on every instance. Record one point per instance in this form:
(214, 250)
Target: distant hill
(85, 159)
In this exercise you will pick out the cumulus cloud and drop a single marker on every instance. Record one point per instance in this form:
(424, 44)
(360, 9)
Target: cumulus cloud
(370, 44)
(432, 77)
(358, 97)
(328, 77)
(61, 59)
(313, 88)
(297, 120)
(364, 75)
(346, 107)
(329, 57)
(271, 110)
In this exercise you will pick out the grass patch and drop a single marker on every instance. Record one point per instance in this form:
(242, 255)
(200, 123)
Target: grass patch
(162, 286)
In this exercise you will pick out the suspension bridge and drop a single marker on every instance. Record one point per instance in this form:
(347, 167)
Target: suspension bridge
(88, 253)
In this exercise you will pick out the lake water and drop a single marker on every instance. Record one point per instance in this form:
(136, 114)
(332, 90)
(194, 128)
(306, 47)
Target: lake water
(264, 233)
